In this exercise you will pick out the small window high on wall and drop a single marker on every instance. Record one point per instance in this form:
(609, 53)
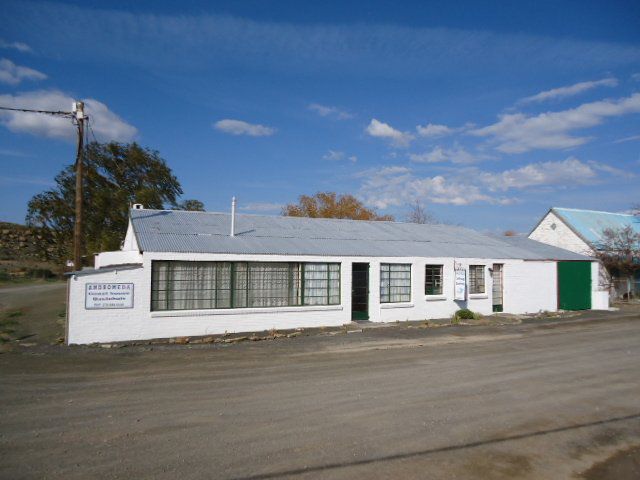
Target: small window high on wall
(395, 282)
(184, 285)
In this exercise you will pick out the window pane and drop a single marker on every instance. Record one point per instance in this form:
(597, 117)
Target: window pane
(268, 284)
(179, 285)
(240, 287)
(433, 280)
(316, 283)
(476, 278)
(183, 285)
(395, 282)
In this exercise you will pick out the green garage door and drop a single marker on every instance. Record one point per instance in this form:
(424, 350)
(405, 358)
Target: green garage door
(574, 285)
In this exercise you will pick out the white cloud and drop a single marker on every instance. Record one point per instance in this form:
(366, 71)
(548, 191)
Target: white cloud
(262, 207)
(383, 130)
(569, 90)
(19, 46)
(366, 49)
(13, 74)
(336, 155)
(456, 154)
(632, 138)
(603, 167)
(239, 127)
(333, 155)
(396, 186)
(431, 130)
(518, 133)
(105, 124)
(565, 172)
(327, 111)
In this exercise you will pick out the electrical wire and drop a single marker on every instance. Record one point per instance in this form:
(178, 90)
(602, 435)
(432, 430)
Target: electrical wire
(48, 112)
(91, 130)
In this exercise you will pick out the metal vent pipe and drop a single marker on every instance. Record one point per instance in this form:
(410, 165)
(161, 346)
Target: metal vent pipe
(233, 216)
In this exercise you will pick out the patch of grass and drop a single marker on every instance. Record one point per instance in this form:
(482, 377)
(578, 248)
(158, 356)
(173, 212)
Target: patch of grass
(14, 313)
(464, 314)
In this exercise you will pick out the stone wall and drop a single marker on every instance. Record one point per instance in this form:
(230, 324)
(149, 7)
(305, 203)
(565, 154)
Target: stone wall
(19, 242)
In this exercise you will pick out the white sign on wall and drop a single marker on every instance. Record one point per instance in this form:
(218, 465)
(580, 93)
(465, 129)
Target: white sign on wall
(460, 289)
(108, 295)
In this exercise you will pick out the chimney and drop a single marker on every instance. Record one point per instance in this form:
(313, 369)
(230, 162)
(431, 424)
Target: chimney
(233, 216)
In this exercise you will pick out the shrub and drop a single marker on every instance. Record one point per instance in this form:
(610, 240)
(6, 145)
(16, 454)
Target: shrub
(464, 314)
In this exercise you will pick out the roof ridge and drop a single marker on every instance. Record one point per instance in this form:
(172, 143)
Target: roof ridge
(394, 222)
(592, 211)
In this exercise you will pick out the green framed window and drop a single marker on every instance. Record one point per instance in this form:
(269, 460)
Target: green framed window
(433, 280)
(186, 285)
(476, 279)
(395, 282)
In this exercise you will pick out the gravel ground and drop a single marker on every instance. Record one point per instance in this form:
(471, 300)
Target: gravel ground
(544, 398)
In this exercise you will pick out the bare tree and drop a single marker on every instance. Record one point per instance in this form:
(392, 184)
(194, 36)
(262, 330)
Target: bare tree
(418, 214)
(619, 252)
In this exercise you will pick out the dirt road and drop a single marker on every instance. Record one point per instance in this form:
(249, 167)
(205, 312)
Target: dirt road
(34, 311)
(529, 401)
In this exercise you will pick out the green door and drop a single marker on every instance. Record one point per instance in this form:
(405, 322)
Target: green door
(574, 285)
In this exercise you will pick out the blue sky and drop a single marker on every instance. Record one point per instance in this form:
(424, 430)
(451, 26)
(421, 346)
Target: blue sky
(488, 113)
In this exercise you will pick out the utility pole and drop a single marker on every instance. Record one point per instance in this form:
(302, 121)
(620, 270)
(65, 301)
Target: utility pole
(79, 118)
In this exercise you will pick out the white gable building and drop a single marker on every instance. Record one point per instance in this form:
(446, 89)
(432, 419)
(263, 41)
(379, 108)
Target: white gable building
(183, 273)
(581, 231)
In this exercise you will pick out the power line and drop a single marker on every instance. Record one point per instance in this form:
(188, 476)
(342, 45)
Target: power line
(91, 130)
(48, 112)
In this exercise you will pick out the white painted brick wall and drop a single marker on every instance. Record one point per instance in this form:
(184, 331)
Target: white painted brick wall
(528, 287)
(561, 236)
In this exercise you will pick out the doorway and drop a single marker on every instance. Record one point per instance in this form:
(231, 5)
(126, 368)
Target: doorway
(574, 285)
(360, 291)
(497, 290)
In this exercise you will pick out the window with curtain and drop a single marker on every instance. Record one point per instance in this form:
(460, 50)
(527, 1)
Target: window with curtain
(433, 280)
(476, 279)
(183, 285)
(395, 282)
(321, 283)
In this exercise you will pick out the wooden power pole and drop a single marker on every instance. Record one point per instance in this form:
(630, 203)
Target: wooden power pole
(79, 116)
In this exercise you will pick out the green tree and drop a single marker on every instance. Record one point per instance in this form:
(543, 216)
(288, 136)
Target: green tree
(116, 176)
(331, 205)
(191, 205)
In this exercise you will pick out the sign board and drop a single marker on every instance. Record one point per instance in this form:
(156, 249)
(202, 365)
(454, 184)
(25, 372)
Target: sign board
(98, 296)
(460, 289)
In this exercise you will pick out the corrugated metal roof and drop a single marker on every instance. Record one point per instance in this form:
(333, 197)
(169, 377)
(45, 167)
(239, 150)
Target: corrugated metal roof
(208, 232)
(589, 223)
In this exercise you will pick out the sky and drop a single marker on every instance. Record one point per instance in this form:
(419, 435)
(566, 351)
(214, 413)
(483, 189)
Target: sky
(486, 113)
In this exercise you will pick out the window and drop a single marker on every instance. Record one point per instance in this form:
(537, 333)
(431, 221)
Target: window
(178, 285)
(476, 278)
(395, 282)
(321, 283)
(433, 280)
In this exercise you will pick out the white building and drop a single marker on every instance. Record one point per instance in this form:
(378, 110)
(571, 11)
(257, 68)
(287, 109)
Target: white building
(183, 273)
(581, 231)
